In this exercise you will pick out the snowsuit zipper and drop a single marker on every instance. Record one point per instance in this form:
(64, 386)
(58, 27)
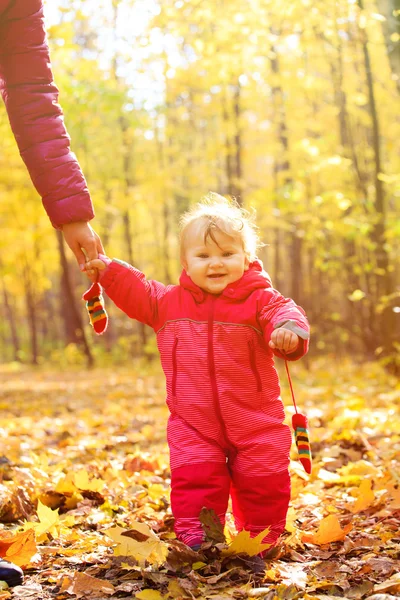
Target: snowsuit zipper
(253, 366)
(229, 448)
(174, 366)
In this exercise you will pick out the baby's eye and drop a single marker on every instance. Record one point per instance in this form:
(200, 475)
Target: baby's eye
(202, 256)
(225, 254)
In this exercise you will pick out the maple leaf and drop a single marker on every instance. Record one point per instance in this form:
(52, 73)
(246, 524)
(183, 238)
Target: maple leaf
(329, 530)
(365, 498)
(18, 548)
(82, 482)
(243, 542)
(48, 519)
(151, 549)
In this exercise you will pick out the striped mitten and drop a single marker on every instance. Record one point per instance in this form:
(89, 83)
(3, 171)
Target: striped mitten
(95, 306)
(301, 436)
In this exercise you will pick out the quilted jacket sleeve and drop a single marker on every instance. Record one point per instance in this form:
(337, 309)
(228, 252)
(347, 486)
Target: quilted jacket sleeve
(129, 289)
(30, 96)
(279, 311)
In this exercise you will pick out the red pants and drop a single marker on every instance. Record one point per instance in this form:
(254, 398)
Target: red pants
(258, 502)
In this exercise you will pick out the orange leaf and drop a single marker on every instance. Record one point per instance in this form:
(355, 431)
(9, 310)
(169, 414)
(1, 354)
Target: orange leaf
(365, 498)
(18, 548)
(329, 530)
(86, 586)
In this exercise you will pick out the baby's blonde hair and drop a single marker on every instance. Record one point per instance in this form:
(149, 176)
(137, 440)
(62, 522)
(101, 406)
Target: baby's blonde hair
(221, 214)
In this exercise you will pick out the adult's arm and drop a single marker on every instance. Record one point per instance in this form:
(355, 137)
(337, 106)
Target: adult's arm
(36, 118)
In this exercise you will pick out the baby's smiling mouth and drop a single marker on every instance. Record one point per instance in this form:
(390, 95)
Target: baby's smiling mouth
(216, 275)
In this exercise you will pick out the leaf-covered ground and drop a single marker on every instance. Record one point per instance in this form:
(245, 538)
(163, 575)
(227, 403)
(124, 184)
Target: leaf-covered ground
(84, 492)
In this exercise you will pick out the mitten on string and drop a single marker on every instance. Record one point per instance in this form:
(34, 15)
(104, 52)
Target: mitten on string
(95, 306)
(302, 439)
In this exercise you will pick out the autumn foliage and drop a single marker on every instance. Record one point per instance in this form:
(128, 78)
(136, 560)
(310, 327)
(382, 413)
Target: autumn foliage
(84, 498)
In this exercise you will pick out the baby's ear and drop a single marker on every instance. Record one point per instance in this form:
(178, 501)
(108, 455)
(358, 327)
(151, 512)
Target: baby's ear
(246, 263)
(184, 263)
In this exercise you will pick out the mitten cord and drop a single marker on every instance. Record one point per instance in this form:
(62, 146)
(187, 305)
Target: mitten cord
(291, 385)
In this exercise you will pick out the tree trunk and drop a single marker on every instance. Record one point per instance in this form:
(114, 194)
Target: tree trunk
(31, 313)
(378, 233)
(11, 321)
(230, 188)
(283, 166)
(390, 9)
(238, 183)
(73, 327)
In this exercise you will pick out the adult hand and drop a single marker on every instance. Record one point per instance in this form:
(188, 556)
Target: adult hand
(80, 235)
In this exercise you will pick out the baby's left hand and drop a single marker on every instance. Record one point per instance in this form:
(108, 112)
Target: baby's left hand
(283, 339)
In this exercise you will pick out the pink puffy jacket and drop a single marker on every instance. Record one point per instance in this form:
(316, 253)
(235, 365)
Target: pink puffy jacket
(30, 96)
(221, 379)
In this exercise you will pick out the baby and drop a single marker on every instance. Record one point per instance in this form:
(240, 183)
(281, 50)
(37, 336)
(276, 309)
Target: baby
(218, 332)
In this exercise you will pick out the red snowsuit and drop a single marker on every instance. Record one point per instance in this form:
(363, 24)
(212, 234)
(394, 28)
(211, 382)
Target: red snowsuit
(30, 96)
(225, 431)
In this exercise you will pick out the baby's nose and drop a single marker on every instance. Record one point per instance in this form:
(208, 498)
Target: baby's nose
(215, 261)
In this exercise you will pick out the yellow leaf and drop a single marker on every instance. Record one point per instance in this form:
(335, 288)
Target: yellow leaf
(149, 595)
(244, 543)
(366, 497)
(175, 590)
(82, 482)
(290, 520)
(329, 530)
(66, 485)
(151, 549)
(48, 519)
(356, 296)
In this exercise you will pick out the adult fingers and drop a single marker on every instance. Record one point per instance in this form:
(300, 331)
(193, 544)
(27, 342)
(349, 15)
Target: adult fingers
(99, 245)
(79, 255)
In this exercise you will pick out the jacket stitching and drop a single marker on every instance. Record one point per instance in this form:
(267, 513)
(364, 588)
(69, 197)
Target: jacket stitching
(205, 323)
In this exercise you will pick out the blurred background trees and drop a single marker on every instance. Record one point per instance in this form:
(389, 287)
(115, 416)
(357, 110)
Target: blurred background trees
(292, 108)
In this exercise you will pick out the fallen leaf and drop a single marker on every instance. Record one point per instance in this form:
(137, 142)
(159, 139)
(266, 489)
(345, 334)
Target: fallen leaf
(149, 595)
(86, 586)
(151, 549)
(391, 585)
(212, 526)
(48, 519)
(243, 542)
(18, 548)
(365, 498)
(82, 482)
(329, 530)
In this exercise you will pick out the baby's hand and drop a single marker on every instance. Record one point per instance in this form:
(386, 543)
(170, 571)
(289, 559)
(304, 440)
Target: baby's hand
(283, 339)
(92, 267)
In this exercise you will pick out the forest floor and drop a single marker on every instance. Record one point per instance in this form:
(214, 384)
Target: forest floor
(84, 491)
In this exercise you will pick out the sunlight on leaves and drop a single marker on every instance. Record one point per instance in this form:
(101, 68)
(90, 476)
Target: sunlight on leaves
(151, 549)
(243, 542)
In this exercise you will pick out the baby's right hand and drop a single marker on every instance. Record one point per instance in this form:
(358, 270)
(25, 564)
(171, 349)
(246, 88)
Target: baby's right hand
(92, 267)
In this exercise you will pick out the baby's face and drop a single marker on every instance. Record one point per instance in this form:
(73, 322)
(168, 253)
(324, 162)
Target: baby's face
(213, 266)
